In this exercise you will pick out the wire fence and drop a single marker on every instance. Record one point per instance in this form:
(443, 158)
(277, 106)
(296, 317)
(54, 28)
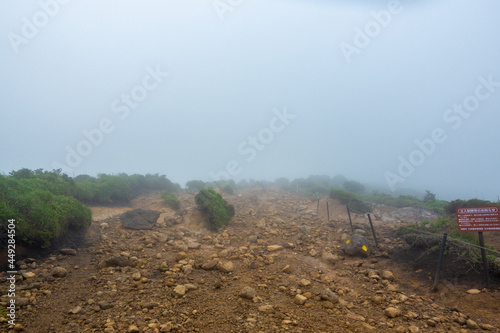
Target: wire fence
(454, 240)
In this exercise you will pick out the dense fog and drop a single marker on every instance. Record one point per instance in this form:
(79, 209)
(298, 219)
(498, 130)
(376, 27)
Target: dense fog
(397, 95)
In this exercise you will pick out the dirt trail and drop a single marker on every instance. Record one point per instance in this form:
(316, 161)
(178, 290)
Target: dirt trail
(184, 278)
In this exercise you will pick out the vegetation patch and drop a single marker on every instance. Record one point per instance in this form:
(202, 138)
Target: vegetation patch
(171, 200)
(351, 200)
(462, 251)
(121, 188)
(216, 210)
(40, 203)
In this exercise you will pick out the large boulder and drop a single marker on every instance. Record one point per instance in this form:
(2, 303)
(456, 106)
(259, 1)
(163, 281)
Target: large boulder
(409, 214)
(356, 245)
(143, 219)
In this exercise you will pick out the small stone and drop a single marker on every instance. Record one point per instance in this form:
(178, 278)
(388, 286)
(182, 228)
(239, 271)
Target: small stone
(414, 329)
(391, 312)
(473, 291)
(18, 327)
(248, 292)
(194, 245)
(471, 324)
(210, 265)
(29, 275)
(22, 301)
(299, 299)
(166, 327)
(266, 308)
(387, 275)
(68, 252)
(180, 290)
(105, 305)
(272, 248)
(304, 283)
(287, 269)
(76, 310)
(136, 276)
(190, 286)
(487, 327)
(58, 272)
(328, 305)
(133, 329)
(226, 266)
(330, 258)
(431, 323)
(328, 295)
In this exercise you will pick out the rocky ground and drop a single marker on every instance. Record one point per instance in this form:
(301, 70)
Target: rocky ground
(277, 268)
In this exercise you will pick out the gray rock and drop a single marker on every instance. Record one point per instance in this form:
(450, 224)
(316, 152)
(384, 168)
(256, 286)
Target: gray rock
(360, 232)
(305, 229)
(356, 245)
(193, 245)
(105, 305)
(115, 262)
(409, 214)
(22, 301)
(328, 295)
(248, 292)
(69, 252)
(58, 272)
(210, 265)
(141, 219)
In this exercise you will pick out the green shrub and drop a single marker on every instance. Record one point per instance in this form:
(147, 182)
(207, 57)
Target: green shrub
(195, 185)
(216, 210)
(228, 189)
(351, 200)
(353, 186)
(342, 196)
(171, 200)
(120, 188)
(41, 213)
(453, 205)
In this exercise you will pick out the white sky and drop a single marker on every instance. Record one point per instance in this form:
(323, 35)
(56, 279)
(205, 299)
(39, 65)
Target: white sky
(227, 73)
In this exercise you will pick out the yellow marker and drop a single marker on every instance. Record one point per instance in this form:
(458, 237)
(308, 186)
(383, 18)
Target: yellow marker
(348, 241)
(364, 248)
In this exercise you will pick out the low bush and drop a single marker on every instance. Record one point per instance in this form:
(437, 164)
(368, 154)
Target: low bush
(40, 212)
(453, 205)
(171, 200)
(351, 200)
(216, 210)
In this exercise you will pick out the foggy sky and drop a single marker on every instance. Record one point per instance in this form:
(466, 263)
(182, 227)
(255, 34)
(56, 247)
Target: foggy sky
(404, 94)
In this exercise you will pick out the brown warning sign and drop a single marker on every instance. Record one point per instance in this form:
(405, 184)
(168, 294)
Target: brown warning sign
(478, 219)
